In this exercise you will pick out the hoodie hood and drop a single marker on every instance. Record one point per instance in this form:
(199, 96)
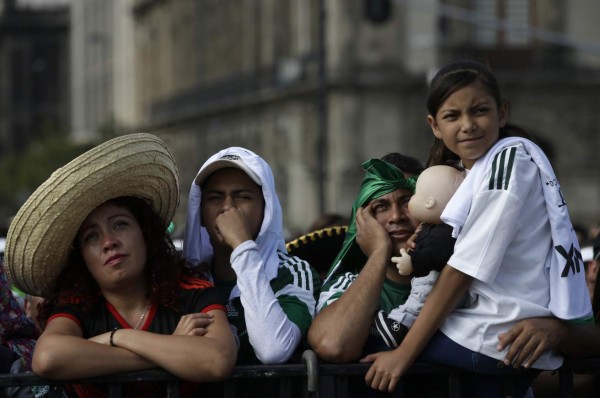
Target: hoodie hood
(197, 247)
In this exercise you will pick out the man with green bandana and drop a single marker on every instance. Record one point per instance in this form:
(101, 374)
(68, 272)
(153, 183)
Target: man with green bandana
(362, 279)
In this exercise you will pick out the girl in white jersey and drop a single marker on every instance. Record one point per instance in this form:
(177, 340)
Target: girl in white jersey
(516, 255)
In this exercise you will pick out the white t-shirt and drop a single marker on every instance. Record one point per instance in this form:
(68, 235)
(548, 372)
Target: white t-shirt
(505, 245)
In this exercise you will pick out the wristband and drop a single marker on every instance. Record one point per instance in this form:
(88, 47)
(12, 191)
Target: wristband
(112, 334)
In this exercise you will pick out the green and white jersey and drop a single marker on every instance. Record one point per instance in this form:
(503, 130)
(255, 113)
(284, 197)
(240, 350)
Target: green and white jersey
(392, 294)
(506, 246)
(271, 317)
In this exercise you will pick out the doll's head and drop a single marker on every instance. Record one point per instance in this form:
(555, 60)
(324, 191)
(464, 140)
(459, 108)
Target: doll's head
(435, 187)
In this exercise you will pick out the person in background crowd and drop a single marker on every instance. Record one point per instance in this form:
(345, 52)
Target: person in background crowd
(582, 235)
(594, 265)
(591, 269)
(17, 338)
(32, 307)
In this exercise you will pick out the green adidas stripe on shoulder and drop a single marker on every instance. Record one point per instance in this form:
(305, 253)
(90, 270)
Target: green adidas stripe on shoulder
(297, 270)
(502, 166)
(342, 282)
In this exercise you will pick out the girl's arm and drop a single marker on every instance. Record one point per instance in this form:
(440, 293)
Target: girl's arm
(62, 353)
(389, 366)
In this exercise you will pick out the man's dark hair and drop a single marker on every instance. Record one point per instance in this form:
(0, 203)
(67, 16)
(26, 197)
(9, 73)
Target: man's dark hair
(407, 164)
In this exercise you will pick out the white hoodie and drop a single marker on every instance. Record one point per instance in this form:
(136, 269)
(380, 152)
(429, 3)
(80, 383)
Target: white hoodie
(272, 334)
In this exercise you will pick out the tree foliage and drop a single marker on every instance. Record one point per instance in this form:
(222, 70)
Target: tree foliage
(21, 173)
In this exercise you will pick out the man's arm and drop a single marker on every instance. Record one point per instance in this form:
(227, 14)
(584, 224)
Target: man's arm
(582, 340)
(529, 338)
(338, 333)
(273, 336)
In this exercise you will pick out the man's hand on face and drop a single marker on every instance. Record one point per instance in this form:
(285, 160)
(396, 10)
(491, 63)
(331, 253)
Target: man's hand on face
(232, 227)
(370, 235)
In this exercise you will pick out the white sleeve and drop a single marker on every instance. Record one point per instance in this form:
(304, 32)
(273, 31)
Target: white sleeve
(493, 219)
(272, 334)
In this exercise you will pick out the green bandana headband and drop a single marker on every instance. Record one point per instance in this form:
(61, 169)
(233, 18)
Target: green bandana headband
(381, 178)
(170, 228)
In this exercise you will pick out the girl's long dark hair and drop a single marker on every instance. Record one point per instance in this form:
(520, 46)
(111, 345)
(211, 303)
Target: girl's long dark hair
(450, 79)
(163, 272)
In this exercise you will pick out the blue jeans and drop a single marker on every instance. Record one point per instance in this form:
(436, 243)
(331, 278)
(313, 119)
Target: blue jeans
(485, 374)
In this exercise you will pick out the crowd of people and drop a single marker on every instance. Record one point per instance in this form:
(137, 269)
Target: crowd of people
(485, 276)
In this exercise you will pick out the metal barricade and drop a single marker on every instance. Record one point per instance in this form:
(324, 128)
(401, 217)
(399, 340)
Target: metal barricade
(308, 379)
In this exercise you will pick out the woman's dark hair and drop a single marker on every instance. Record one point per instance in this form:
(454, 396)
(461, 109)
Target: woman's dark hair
(452, 78)
(164, 265)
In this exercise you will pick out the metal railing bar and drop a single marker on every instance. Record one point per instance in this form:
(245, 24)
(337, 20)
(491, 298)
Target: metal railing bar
(317, 379)
(115, 390)
(312, 370)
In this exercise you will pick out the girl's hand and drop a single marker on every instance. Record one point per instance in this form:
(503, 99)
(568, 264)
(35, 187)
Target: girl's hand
(193, 324)
(387, 369)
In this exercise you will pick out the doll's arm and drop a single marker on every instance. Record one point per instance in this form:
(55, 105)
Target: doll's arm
(403, 263)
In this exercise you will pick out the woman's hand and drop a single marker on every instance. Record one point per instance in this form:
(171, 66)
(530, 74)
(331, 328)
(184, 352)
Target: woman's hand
(193, 324)
(529, 339)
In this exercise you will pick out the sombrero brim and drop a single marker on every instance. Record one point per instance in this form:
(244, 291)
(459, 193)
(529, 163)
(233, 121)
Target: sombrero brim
(319, 248)
(41, 234)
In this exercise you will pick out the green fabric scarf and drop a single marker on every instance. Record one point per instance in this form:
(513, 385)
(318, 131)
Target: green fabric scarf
(380, 179)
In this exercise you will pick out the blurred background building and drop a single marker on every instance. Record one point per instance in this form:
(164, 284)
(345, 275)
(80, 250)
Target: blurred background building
(318, 86)
(34, 71)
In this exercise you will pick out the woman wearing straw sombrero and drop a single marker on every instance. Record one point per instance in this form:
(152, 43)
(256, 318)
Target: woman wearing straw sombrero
(92, 241)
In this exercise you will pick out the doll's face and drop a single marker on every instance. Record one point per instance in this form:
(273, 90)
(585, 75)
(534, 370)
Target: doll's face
(434, 189)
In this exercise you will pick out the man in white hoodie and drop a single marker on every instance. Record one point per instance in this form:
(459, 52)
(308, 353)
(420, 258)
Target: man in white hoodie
(234, 233)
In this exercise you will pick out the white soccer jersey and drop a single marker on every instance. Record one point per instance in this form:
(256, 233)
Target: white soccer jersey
(506, 246)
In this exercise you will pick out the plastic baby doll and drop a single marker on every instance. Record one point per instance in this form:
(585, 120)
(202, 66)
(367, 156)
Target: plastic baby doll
(433, 247)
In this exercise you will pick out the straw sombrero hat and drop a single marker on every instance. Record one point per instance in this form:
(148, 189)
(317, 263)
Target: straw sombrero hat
(41, 234)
